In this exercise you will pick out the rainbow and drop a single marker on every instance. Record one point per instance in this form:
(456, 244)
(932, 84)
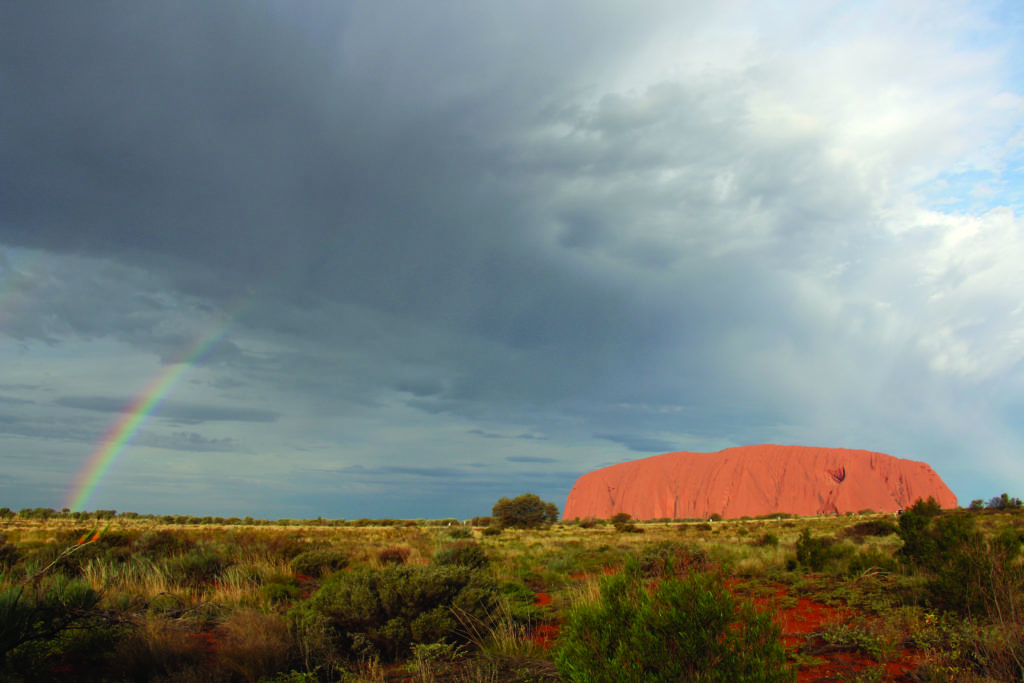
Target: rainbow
(136, 412)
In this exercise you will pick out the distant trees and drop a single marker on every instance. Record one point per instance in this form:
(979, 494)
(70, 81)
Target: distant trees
(1005, 502)
(527, 511)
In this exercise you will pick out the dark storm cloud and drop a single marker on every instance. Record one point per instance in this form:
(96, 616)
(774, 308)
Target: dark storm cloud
(514, 219)
(172, 411)
(253, 143)
(276, 147)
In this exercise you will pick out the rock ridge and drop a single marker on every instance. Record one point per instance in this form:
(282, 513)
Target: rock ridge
(755, 480)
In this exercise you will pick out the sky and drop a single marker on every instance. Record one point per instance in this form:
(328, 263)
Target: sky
(401, 259)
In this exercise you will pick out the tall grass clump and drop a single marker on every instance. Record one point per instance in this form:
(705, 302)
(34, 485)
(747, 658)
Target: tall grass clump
(682, 629)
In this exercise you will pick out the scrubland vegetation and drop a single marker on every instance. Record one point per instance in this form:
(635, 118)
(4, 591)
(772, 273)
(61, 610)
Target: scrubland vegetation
(931, 595)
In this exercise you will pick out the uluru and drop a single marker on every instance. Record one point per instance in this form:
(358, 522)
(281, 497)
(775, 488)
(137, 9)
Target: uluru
(755, 480)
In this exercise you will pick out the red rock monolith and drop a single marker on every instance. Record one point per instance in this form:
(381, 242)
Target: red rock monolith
(755, 480)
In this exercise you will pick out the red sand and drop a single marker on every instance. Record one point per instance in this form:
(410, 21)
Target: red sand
(755, 480)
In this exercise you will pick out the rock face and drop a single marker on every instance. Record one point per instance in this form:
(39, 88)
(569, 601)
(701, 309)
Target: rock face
(755, 480)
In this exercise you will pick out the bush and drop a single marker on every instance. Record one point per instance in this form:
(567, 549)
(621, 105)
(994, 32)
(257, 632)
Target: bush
(197, 567)
(622, 523)
(460, 532)
(527, 511)
(45, 609)
(1005, 502)
(316, 563)
(672, 559)
(925, 508)
(462, 554)
(766, 540)
(394, 555)
(817, 553)
(969, 572)
(872, 527)
(371, 613)
(871, 559)
(687, 629)
(280, 590)
(491, 531)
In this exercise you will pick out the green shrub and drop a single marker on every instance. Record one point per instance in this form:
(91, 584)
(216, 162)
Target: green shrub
(316, 563)
(381, 613)
(688, 629)
(872, 527)
(280, 590)
(197, 567)
(394, 555)
(491, 531)
(766, 540)
(871, 559)
(460, 532)
(819, 553)
(462, 554)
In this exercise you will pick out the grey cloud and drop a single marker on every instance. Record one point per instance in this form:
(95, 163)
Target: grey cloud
(529, 459)
(174, 411)
(643, 444)
(16, 401)
(421, 388)
(187, 441)
(387, 471)
(492, 435)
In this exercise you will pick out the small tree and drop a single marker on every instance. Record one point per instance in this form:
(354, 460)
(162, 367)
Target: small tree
(527, 511)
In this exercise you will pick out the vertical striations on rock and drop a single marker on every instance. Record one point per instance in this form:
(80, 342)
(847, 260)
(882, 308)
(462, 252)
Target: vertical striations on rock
(756, 480)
